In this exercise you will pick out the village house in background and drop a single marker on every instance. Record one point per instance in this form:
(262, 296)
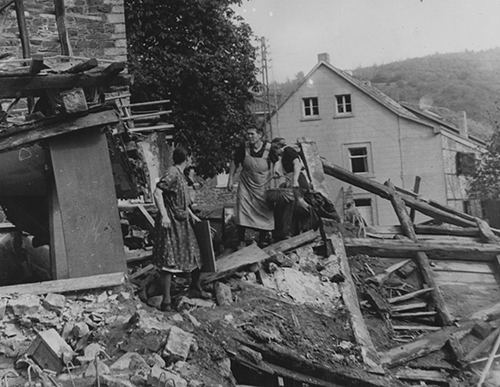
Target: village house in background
(360, 128)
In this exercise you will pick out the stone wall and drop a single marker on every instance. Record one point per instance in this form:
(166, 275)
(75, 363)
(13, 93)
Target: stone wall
(96, 29)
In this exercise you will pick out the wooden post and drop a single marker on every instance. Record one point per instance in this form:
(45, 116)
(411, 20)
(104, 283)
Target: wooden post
(23, 30)
(421, 259)
(416, 189)
(61, 28)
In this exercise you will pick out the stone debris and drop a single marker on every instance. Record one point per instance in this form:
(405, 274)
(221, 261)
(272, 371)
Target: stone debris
(178, 345)
(223, 294)
(102, 368)
(162, 377)
(54, 301)
(131, 361)
(25, 304)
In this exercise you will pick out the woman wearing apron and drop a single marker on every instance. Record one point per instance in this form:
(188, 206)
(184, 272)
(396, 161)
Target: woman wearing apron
(252, 211)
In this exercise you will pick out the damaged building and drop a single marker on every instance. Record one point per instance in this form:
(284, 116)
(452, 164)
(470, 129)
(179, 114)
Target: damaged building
(338, 305)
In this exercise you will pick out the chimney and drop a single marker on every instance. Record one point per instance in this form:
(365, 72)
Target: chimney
(463, 127)
(324, 57)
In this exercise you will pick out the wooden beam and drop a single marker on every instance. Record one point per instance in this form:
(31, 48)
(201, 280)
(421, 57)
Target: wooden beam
(66, 285)
(82, 67)
(406, 307)
(444, 214)
(228, 265)
(351, 301)
(487, 367)
(419, 375)
(487, 234)
(421, 229)
(435, 249)
(409, 296)
(36, 64)
(443, 315)
(384, 276)
(37, 85)
(423, 346)
(6, 5)
(60, 12)
(23, 30)
(45, 130)
(416, 189)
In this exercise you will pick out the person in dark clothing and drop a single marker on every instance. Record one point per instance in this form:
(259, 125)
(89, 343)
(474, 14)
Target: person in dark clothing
(288, 214)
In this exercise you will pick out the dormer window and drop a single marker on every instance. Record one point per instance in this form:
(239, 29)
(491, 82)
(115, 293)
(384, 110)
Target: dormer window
(311, 107)
(343, 104)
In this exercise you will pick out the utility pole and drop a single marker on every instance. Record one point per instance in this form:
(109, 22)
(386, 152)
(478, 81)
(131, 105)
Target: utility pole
(265, 81)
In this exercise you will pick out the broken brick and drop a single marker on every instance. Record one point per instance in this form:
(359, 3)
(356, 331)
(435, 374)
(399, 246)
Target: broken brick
(54, 301)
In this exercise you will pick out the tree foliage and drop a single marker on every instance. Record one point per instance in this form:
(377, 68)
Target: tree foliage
(485, 183)
(198, 54)
(467, 80)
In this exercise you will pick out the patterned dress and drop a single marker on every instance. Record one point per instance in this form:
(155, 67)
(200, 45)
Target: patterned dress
(176, 248)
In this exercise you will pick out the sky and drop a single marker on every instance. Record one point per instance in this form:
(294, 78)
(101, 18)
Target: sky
(365, 32)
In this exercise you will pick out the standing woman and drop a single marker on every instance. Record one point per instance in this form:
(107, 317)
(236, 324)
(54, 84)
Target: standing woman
(252, 211)
(175, 247)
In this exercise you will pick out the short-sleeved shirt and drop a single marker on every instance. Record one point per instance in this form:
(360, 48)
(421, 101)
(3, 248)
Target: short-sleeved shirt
(239, 153)
(287, 158)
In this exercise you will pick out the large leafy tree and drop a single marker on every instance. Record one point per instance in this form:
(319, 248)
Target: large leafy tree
(485, 183)
(197, 53)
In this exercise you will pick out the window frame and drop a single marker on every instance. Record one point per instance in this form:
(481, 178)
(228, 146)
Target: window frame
(310, 106)
(369, 158)
(341, 100)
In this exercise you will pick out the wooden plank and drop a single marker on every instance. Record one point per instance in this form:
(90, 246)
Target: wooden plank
(421, 229)
(61, 27)
(409, 296)
(488, 313)
(462, 266)
(405, 307)
(487, 234)
(88, 204)
(350, 297)
(38, 85)
(133, 256)
(142, 271)
(382, 277)
(227, 266)
(414, 314)
(423, 346)
(480, 252)
(418, 375)
(204, 238)
(445, 277)
(66, 285)
(415, 328)
(72, 124)
(58, 256)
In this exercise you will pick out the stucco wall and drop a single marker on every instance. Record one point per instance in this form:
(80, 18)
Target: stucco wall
(456, 185)
(96, 29)
(400, 149)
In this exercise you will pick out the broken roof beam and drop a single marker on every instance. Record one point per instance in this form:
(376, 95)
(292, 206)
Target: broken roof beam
(23, 30)
(52, 127)
(444, 317)
(37, 85)
(397, 248)
(443, 214)
(60, 13)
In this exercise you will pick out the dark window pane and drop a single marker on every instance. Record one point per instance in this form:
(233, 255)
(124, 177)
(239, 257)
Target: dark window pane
(358, 151)
(363, 202)
(315, 110)
(359, 165)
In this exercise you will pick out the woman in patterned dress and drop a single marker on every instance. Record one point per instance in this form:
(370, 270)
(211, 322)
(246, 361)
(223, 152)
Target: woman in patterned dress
(176, 249)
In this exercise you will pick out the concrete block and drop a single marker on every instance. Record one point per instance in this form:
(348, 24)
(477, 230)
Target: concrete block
(155, 360)
(54, 301)
(178, 345)
(223, 294)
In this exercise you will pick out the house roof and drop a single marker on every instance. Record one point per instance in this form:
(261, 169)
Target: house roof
(370, 91)
(437, 119)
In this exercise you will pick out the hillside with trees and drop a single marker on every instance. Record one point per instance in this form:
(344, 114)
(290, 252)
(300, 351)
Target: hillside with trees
(467, 81)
